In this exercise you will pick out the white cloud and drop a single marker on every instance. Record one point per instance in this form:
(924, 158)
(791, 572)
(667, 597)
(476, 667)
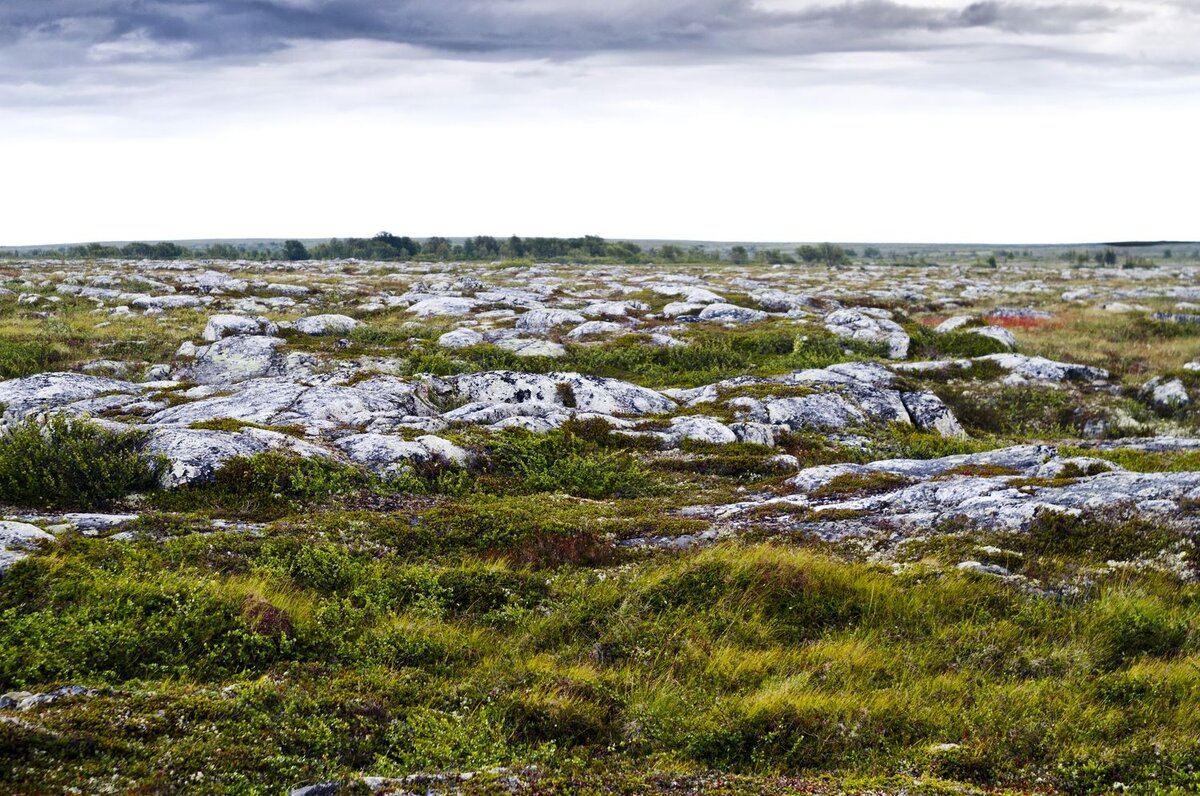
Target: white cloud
(980, 133)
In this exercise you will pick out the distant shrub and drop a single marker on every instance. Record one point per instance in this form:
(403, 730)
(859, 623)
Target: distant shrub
(70, 463)
(1013, 411)
(928, 344)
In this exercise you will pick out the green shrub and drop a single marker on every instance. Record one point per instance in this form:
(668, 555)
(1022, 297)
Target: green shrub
(928, 344)
(69, 463)
(560, 461)
(20, 358)
(1126, 627)
(114, 627)
(1013, 411)
(267, 486)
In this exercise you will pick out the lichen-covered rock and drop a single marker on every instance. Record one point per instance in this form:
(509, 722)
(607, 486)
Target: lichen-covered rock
(590, 328)
(862, 325)
(998, 333)
(698, 429)
(543, 320)
(614, 309)
(1042, 369)
(1167, 393)
(318, 325)
(222, 326)
(731, 313)
(571, 390)
(460, 338)
(195, 455)
(383, 453)
(953, 324)
(820, 411)
(526, 347)
(16, 539)
(443, 305)
(47, 391)
(978, 489)
(240, 358)
(174, 302)
(928, 412)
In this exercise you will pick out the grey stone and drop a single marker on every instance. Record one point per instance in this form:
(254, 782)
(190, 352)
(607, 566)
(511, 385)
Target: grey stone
(857, 324)
(221, 326)
(730, 313)
(235, 359)
(460, 338)
(318, 325)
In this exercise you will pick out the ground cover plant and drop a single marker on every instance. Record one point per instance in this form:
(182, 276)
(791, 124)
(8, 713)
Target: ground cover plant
(406, 530)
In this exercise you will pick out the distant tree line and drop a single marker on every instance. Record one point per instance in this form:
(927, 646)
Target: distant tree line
(386, 246)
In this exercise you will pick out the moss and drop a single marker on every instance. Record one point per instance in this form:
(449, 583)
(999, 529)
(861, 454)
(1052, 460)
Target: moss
(231, 425)
(853, 485)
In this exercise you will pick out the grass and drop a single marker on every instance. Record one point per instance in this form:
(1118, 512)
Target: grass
(1131, 346)
(758, 661)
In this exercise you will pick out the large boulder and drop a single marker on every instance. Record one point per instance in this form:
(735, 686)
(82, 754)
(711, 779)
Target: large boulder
(173, 302)
(195, 455)
(460, 338)
(543, 320)
(1167, 394)
(16, 539)
(731, 313)
(383, 453)
(443, 305)
(240, 358)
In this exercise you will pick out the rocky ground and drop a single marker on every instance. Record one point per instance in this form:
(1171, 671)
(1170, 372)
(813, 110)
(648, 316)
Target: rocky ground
(1024, 435)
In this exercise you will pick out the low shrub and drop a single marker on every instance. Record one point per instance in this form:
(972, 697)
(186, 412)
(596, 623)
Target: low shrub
(1126, 627)
(266, 486)
(928, 344)
(560, 461)
(69, 463)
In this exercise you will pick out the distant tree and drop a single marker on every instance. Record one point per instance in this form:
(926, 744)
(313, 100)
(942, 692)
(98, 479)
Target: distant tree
(871, 252)
(513, 247)
(294, 250)
(832, 254)
(738, 255)
(437, 248)
(775, 257)
(668, 253)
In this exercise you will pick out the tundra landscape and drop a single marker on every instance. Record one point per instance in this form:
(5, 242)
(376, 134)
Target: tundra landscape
(652, 521)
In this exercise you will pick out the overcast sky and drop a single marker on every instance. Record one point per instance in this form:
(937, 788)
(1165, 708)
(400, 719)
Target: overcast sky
(774, 120)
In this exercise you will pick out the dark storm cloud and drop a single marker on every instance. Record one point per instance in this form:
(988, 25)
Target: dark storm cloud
(191, 29)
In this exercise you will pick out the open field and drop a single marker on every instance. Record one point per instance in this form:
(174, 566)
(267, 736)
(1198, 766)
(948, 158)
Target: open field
(517, 527)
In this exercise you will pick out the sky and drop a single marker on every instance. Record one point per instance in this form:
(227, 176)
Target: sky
(733, 120)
